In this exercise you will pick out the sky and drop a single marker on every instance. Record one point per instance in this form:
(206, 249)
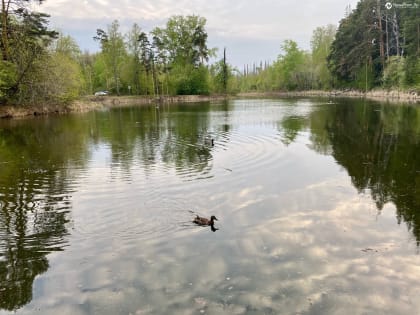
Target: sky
(251, 30)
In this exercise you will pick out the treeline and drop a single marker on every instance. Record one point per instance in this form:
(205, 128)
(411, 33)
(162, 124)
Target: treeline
(294, 69)
(375, 45)
(40, 65)
(170, 60)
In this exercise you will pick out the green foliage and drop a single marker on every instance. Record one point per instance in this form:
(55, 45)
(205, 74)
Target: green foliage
(222, 76)
(68, 70)
(363, 78)
(321, 41)
(55, 78)
(412, 72)
(86, 61)
(293, 67)
(172, 59)
(293, 70)
(352, 46)
(24, 41)
(184, 40)
(16, 19)
(7, 79)
(373, 34)
(66, 45)
(410, 24)
(262, 78)
(290, 63)
(114, 54)
(134, 67)
(64, 78)
(190, 80)
(394, 72)
(178, 53)
(101, 76)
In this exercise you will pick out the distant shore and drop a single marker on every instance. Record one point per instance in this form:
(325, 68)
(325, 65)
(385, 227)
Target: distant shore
(99, 102)
(392, 95)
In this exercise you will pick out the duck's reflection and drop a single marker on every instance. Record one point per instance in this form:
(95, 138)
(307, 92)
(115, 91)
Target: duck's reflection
(213, 229)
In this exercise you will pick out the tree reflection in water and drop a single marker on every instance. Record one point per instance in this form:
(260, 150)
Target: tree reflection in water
(35, 202)
(40, 160)
(27, 236)
(378, 145)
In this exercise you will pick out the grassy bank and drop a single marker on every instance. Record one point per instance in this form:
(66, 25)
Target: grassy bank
(392, 96)
(100, 102)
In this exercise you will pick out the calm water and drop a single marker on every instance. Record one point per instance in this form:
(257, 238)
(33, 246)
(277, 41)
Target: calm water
(318, 207)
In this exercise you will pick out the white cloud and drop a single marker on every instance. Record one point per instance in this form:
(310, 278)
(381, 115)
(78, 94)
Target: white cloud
(265, 23)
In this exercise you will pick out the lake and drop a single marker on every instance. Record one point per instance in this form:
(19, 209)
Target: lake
(318, 208)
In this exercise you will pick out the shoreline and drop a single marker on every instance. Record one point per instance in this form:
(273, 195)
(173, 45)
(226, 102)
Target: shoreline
(90, 103)
(378, 95)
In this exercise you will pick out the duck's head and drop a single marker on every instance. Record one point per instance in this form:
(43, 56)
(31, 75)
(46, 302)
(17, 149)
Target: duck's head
(212, 218)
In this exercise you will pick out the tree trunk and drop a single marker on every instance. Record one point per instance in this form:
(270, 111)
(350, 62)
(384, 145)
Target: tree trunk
(4, 30)
(225, 72)
(381, 37)
(396, 31)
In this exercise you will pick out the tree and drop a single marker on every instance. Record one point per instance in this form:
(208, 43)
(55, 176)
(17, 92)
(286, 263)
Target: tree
(394, 72)
(189, 80)
(221, 73)
(66, 45)
(184, 40)
(11, 11)
(63, 71)
(146, 57)
(369, 37)
(182, 49)
(290, 65)
(24, 40)
(135, 51)
(322, 38)
(410, 21)
(87, 62)
(224, 72)
(55, 76)
(7, 78)
(354, 56)
(113, 50)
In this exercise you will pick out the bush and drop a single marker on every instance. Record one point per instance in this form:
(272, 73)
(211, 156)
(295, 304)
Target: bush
(190, 80)
(394, 74)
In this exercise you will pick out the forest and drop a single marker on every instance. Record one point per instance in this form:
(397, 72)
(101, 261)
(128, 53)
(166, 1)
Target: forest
(376, 45)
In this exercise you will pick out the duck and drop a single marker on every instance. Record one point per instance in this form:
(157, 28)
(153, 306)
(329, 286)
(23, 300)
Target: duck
(204, 221)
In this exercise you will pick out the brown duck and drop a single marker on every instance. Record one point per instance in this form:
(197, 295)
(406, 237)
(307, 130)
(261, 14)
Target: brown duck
(204, 221)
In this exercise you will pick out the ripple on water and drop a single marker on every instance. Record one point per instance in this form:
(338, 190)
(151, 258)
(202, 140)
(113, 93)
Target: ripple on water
(250, 153)
(138, 213)
(145, 206)
(193, 161)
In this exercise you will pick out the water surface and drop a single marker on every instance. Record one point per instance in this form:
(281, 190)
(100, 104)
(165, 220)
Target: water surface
(318, 207)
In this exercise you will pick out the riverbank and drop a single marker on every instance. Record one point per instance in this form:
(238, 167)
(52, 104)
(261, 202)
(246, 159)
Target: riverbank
(100, 102)
(380, 95)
